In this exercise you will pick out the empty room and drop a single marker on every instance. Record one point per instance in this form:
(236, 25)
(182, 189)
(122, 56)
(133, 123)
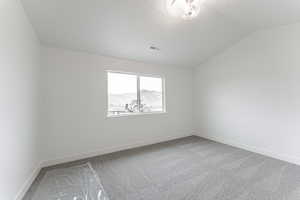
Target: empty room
(150, 99)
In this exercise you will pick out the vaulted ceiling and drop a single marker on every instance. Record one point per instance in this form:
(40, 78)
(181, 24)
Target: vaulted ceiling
(127, 28)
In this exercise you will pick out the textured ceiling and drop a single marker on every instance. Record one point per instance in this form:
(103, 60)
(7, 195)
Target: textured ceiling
(127, 28)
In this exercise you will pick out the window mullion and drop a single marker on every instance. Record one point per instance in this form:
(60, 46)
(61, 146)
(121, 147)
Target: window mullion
(138, 94)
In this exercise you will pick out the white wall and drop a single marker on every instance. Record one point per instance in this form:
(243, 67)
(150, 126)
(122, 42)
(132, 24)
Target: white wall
(74, 106)
(19, 60)
(249, 95)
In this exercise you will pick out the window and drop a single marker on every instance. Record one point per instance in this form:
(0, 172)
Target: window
(130, 93)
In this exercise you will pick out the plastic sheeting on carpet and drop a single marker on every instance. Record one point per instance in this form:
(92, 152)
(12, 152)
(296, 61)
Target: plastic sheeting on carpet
(73, 183)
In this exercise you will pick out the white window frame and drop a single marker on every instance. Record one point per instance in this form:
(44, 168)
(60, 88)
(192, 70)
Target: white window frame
(138, 94)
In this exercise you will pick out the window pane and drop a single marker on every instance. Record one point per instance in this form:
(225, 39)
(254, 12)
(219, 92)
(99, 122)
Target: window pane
(151, 94)
(122, 94)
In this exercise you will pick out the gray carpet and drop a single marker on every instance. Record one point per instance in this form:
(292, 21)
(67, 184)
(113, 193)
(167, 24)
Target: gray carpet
(190, 169)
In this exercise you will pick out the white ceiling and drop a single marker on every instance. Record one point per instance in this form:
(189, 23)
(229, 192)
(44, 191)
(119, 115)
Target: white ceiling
(126, 28)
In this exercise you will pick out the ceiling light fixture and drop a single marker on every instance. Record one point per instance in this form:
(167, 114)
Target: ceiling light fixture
(187, 9)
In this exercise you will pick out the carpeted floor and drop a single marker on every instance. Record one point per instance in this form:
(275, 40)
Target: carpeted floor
(191, 168)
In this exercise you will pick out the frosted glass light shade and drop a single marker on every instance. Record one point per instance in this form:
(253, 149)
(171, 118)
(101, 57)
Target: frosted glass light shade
(186, 9)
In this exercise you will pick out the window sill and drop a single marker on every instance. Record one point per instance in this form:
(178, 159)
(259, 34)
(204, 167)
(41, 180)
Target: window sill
(135, 114)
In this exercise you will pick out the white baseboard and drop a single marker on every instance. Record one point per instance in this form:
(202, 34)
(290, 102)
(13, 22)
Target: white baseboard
(75, 157)
(28, 183)
(265, 152)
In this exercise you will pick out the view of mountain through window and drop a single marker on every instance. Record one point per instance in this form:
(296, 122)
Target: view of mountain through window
(130, 94)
